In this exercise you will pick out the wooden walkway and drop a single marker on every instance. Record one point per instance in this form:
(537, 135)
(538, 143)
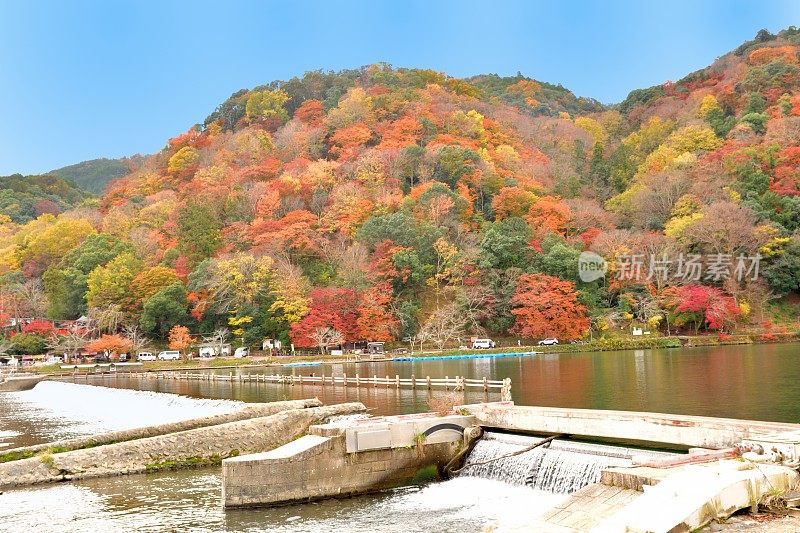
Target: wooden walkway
(456, 383)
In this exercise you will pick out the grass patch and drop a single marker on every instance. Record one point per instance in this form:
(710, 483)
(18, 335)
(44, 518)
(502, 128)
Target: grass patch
(194, 461)
(424, 475)
(15, 456)
(47, 459)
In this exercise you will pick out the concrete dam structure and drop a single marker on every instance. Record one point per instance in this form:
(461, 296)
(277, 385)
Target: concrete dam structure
(613, 488)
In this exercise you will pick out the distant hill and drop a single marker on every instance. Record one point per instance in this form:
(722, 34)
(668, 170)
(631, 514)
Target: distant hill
(93, 175)
(23, 198)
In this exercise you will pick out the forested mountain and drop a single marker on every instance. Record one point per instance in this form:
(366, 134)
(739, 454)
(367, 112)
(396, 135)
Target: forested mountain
(94, 175)
(382, 203)
(23, 198)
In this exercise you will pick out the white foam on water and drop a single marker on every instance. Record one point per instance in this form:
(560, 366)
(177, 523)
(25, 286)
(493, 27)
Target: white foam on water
(478, 500)
(553, 470)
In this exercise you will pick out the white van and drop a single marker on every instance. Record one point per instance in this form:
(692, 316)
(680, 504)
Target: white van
(169, 355)
(242, 351)
(145, 356)
(479, 344)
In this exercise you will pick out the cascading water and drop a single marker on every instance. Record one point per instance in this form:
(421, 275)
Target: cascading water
(560, 467)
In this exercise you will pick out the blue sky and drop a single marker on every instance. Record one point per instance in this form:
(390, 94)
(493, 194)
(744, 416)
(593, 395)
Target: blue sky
(87, 79)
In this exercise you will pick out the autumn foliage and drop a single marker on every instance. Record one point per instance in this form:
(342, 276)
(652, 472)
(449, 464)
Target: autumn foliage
(380, 204)
(109, 344)
(545, 306)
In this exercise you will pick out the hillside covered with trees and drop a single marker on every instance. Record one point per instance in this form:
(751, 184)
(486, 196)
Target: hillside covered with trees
(24, 198)
(386, 204)
(94, 175)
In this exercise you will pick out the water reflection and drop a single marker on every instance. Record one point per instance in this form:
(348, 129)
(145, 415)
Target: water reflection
(753, 382)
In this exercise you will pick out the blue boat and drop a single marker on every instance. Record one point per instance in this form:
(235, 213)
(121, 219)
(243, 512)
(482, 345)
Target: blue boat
(467, 356)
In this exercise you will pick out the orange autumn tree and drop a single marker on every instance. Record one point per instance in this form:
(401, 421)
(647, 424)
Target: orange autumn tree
(375, 319)
(549, 213)
(512, 202)
(179, 338)
(110, 344)
(546, 306)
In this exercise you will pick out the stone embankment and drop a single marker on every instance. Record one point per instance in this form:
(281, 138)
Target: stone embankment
(91, 441)
(194, 447)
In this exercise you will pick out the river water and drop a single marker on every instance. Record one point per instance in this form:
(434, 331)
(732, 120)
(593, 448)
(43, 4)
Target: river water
(756, 382)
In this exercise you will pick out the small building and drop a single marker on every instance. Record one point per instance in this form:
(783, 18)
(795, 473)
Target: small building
(271, 344)
(214, 350)
(375, 348)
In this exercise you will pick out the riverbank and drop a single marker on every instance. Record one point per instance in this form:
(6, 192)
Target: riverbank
(601, 345)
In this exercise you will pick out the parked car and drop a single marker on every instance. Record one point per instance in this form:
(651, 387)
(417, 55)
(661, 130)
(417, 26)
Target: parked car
(123, 357)
(207, 352)
(145, 356)
(478, 344)
(242, 351)
(169, 355)
(102, 359)
(548, 342)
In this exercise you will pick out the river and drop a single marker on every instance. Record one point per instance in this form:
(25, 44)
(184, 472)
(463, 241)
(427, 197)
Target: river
(756, 382)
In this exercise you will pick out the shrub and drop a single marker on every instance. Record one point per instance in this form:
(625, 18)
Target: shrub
(28, 344)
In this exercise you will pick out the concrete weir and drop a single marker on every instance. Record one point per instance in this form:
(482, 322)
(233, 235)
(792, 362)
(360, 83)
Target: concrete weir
(681, 431)
(337, 460)
(661, 494)
(200, 446)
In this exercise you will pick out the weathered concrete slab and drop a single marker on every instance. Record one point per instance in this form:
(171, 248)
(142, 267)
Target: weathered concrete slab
(405, 430)
(205, 445)
(332, 462)
(248, 411)
(659, 428)
(694, 495)
(635, 478)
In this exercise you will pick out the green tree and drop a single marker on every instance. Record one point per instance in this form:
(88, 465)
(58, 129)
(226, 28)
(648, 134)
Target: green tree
(783, 274)
(28, 344)
(110, 284)
(96, 250)
(66, 284)
(505, 244)
(756, 103)
(199, 233)
(267, 105)
(165, 309)
(455, 162)
(66, 292)
(757, 121)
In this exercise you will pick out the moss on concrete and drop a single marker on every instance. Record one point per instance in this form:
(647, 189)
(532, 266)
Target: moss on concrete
(188, 462)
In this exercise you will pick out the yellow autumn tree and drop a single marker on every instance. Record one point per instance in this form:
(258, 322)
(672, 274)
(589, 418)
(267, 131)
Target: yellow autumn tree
(689, 139)
(355, 107)
(49, 242)
(290, 289)
(593, 128)
(184, 158)
(708, 105)
(267, 105)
